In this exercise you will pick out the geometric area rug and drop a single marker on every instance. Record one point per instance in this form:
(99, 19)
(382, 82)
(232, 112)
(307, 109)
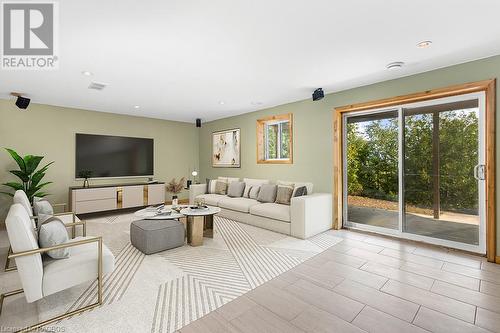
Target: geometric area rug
(163, 292)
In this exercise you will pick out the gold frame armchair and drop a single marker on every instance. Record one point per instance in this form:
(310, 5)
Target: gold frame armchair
(40, 279)
(21, 198)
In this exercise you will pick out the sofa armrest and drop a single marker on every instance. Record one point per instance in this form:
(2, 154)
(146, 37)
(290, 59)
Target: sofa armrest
(311, 214)
(195, 190)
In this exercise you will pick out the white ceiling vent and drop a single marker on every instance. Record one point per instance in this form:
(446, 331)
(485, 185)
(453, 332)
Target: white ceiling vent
(97, 85)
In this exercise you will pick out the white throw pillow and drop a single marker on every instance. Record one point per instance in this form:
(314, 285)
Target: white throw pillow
(42, 206)
(53, 232)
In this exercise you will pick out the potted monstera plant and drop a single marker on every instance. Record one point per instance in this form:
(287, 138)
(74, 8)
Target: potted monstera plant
(31, 178)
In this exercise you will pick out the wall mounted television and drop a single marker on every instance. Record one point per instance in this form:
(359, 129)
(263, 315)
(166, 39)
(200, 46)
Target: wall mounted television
(114, 156)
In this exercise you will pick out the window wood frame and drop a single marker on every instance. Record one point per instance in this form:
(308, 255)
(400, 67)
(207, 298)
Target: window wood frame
(261, 139)
(487, 86)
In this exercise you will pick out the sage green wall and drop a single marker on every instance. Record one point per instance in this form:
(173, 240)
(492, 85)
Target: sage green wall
(313, 126)
(50, 131)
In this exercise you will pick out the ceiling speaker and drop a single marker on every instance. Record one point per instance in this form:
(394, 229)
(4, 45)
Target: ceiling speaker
(198, 122)
(22, 102)
(318, 94)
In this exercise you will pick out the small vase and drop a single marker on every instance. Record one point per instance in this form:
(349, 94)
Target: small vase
(86, 183)
(175, 201)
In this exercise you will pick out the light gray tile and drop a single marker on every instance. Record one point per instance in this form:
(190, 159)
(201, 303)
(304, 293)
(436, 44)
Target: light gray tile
(375, 257)
(440, 323)
(490, 266)
(358, 275)
(372, 320)
(317, 275)
(284, 280)
(438, 274)
(489, 276)
(392, 305)
(325, 299)
(453, 257)
(211, 323)
(259, 319)
(489, 288)
(319, 321)
(488, 319)
(412, 279)
(431, 300)
(236, 307)
(279, 301)
(414, 258)
(466, 295)
(362, 245)
(395, 244)
(341, 258)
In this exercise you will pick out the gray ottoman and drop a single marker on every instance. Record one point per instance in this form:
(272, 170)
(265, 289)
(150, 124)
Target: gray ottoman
(151, 236)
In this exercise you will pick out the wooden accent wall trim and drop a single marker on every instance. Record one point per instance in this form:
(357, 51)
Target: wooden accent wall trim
(260, 139)
(488, 86)
(490, 171)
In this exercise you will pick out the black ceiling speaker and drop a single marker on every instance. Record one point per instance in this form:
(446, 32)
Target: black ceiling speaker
(198, 122)
(22, 102)
(318, 94)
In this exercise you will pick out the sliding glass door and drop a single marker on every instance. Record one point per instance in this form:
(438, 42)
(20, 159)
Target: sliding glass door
(372, 144)
(417, 171)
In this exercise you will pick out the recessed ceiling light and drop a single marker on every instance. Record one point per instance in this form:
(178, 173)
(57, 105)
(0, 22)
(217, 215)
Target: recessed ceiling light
(87, 73)
(257, 103)
(137, 107)
(424, 44)
(395, 65)
(222, 102)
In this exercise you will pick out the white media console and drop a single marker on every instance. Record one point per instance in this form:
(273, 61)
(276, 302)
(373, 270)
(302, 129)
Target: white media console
(112, 197)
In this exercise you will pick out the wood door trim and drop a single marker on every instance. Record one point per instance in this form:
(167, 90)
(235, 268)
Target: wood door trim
(488, 86)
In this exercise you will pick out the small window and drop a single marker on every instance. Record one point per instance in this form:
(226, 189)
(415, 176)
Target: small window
(275, 139)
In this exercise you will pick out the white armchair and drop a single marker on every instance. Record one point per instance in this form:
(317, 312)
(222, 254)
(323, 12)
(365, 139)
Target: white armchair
(89, 259)
(68, 218)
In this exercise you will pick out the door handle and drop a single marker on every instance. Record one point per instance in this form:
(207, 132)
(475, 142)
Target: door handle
(479, 172)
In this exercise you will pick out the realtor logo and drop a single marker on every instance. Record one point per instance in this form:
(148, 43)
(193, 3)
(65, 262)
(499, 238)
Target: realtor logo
(29, 36)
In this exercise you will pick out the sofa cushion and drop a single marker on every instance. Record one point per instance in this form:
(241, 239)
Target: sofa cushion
(267, 193)
(211, 199)
(272, 211)
(235, 189)
(51, 233)
(238, 204)
(300, 191)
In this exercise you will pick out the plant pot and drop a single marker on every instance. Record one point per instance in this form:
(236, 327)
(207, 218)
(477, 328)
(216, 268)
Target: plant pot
(86, 183)
(175, 201)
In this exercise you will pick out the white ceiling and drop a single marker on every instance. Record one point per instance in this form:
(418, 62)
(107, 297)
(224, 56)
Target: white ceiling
(178, 59)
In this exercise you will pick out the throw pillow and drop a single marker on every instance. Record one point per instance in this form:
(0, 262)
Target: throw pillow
(284, 194)
(300, 191)
(235, 189)
(267, 193)
(53, 232)
(254, 192)
(211, 185)
(220, 187)
(42, 206)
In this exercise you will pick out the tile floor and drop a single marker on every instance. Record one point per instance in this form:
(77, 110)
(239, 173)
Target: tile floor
(370, 283)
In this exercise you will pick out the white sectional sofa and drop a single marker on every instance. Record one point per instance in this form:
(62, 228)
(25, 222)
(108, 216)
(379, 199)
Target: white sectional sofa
(306, 215)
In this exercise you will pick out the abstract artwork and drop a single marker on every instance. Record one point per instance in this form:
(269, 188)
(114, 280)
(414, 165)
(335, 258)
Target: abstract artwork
(226, 149)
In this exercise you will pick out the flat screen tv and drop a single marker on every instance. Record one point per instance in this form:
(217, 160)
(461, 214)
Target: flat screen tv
(113, 156)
